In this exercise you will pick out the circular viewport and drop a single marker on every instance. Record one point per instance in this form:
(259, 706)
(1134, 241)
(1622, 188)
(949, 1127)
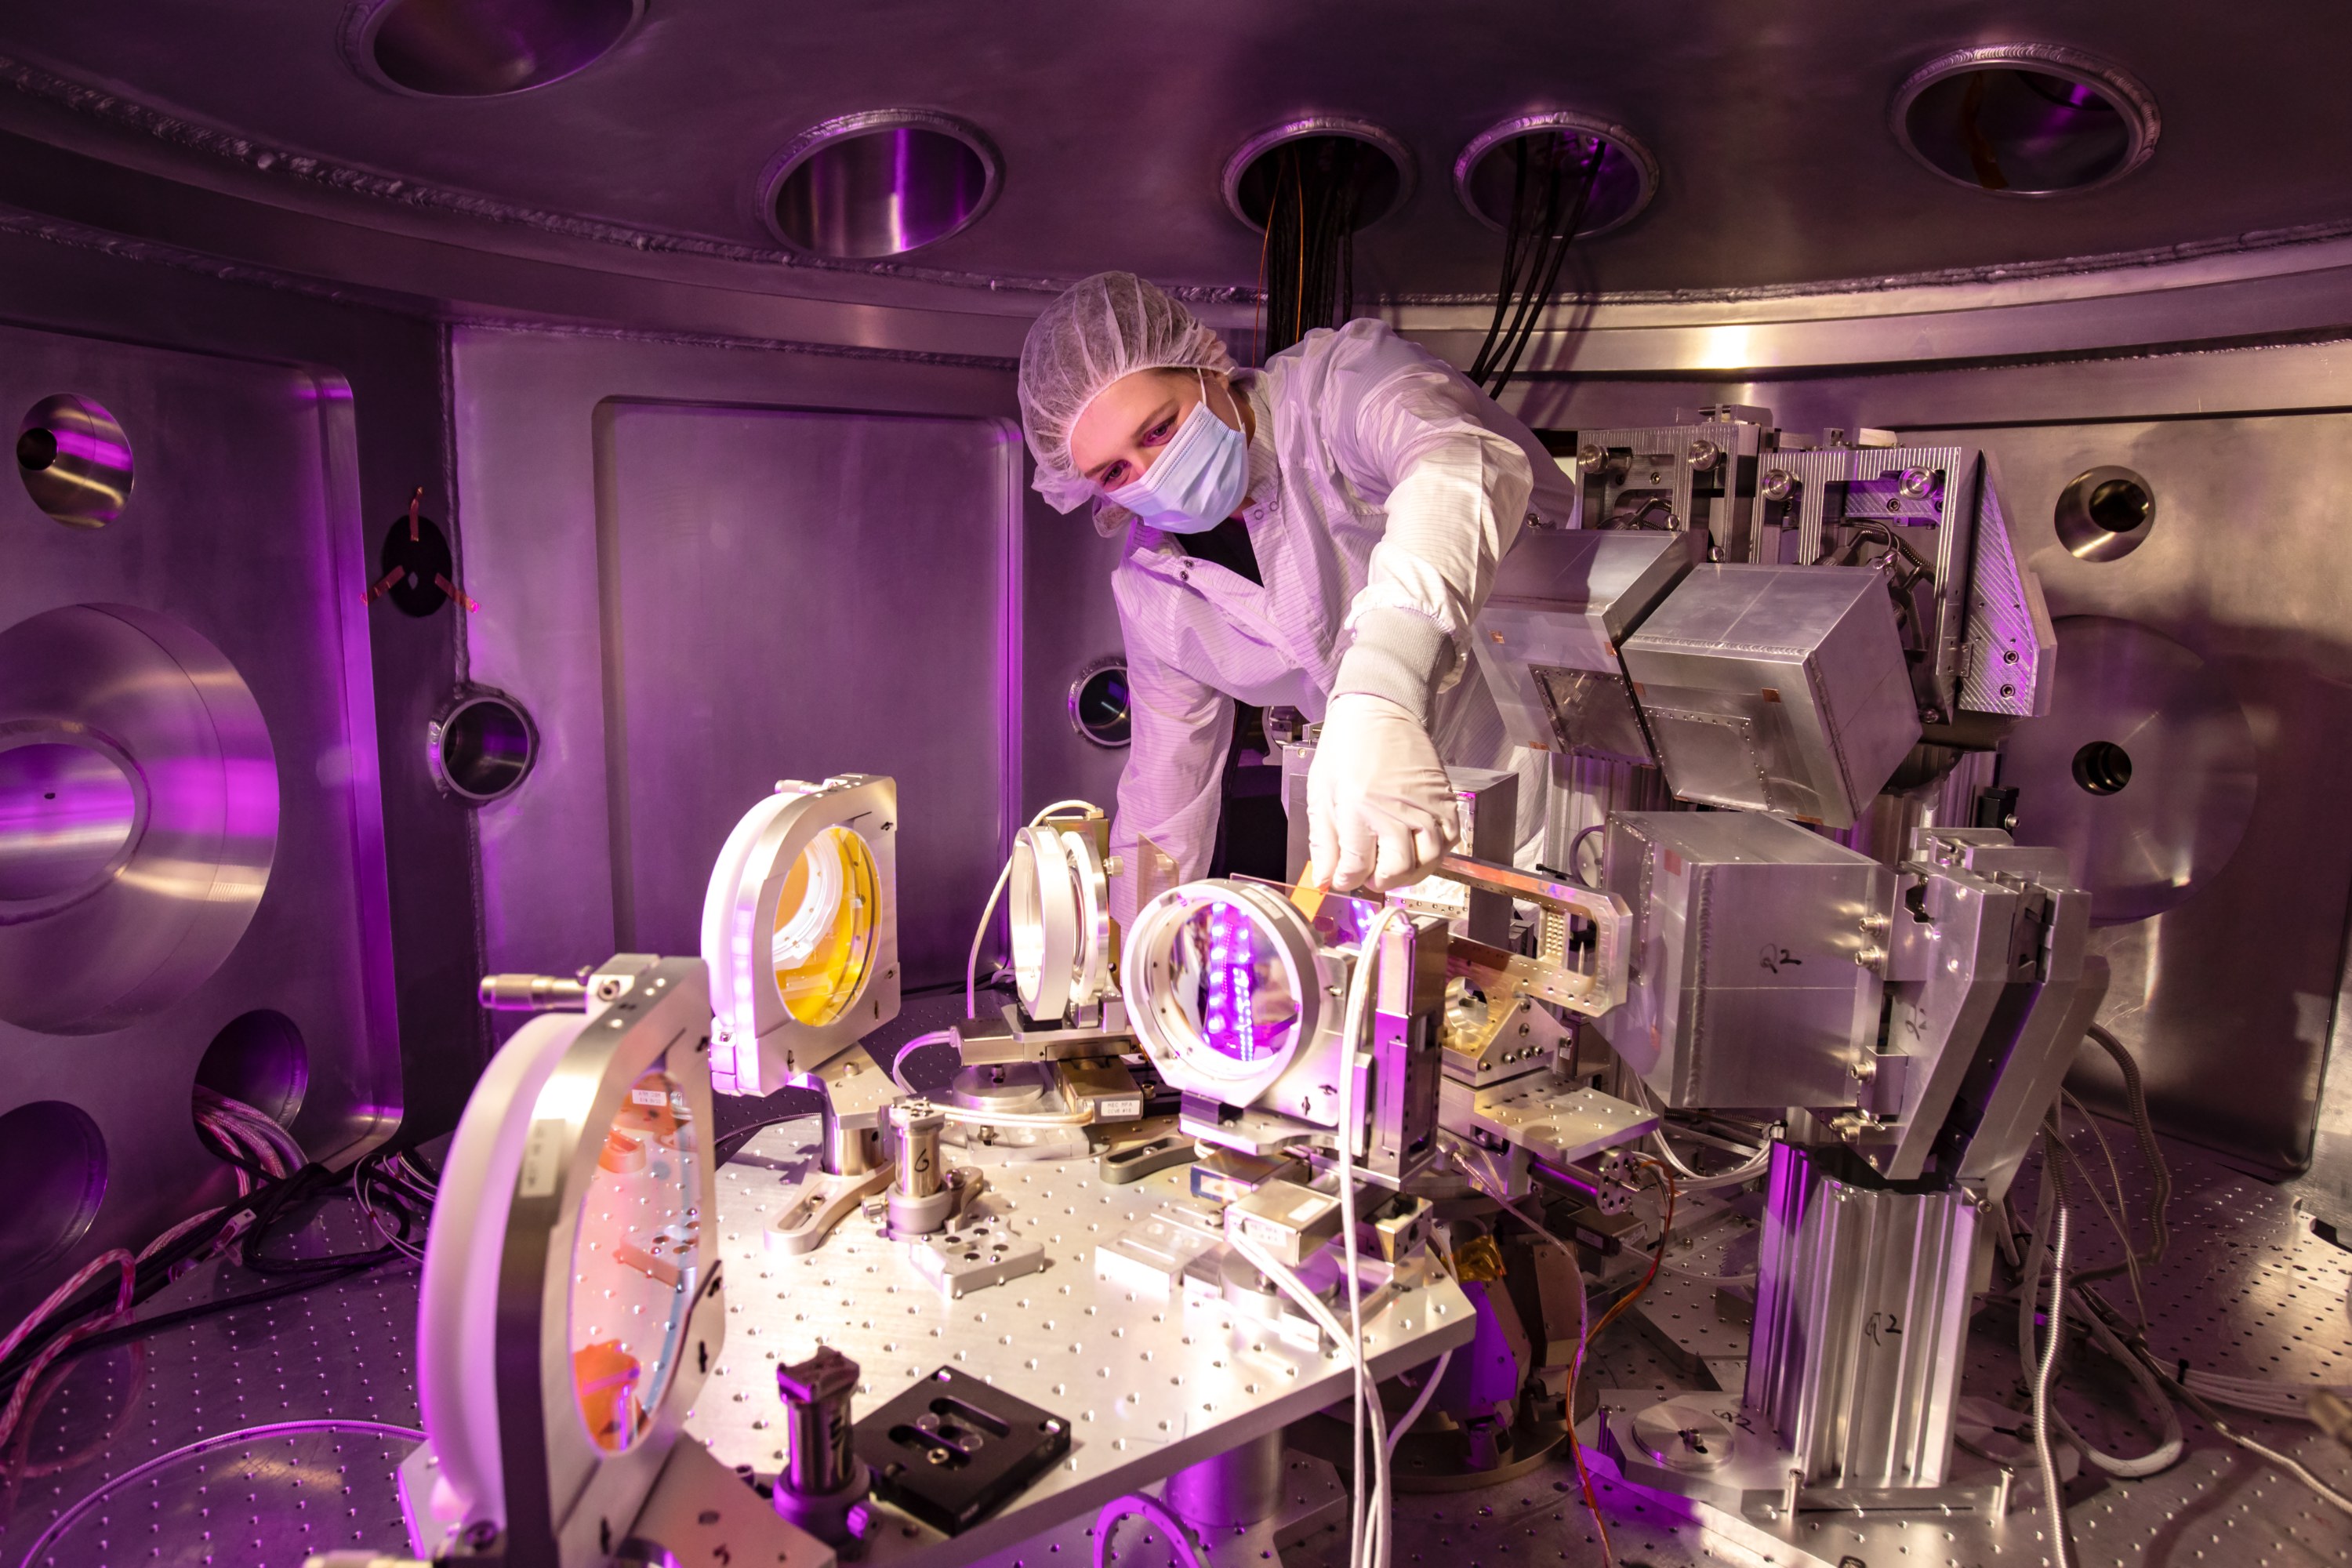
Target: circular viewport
(2103, 768)
(868, 185)
(2105, 514)
(1539, 164)
(2026, 119)
(1368, 166)
(482, 748)
(481, 48)
(75, 461)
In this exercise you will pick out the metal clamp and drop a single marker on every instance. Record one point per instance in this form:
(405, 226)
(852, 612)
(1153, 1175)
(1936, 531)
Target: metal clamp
(1548, 977)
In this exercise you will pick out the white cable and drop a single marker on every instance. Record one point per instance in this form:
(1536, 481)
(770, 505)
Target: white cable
(1145, 1505)
(1360, 992)
(899, 1058)
(1692, 1180)
(988, 913)
(1412, 1411)
(1290, 1285)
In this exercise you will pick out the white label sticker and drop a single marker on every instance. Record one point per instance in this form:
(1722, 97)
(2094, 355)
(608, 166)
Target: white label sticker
(648, 1097)
(542, 1159)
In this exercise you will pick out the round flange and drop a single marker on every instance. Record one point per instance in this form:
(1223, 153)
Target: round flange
(879, 183)
(1383, 186)
(2105, 513)
(2025, 120)
(1622, 186)
(481, 48)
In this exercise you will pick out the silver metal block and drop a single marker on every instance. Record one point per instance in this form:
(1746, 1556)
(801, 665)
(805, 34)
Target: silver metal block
(981, 1251)
(1547, 639)
(1753, 953)
(1862, 1303)
(1777, 689)
(1553, 1122)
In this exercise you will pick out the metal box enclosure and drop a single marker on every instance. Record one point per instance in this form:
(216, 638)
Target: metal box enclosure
(1562, 603)
(1754, 959)
(1777, 689)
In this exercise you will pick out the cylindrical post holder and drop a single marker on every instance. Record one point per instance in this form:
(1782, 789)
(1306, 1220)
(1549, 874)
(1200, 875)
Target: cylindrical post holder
(820, 1479)
(917, 1127)
(1238, 1486)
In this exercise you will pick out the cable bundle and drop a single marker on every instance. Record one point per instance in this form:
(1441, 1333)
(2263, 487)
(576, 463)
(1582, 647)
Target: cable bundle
(1552, 182)
(275, 1183)
(1307, 269)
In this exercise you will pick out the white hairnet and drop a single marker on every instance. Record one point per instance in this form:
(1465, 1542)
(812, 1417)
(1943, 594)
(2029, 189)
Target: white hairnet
(1102, 328)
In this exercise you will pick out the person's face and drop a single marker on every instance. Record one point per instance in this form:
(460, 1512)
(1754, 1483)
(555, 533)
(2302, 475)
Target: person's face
(1122, 430)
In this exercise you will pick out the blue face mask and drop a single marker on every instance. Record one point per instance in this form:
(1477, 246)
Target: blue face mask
(1198, 480)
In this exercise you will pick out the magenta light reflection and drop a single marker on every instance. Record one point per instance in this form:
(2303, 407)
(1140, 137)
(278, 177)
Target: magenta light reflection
(1231, 1023)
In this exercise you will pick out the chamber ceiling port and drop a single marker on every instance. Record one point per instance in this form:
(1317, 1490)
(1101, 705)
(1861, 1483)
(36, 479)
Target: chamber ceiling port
(481, 48)
(138, 815)
(53, 1165)
(2026, 119)
(2106, 514)
(1504, 163)
(75, 461)
(1369, 163)
(482, 747)
(880, 183)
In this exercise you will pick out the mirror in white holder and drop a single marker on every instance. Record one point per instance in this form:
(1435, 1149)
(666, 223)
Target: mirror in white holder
(569, 1304)
(799, 929)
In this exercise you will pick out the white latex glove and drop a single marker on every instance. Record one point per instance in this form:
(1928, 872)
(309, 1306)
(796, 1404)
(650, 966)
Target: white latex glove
(1379, 804)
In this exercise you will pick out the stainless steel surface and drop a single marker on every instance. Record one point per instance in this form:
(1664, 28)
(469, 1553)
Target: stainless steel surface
(702, 726)
(68, 815)
(2105, 513)
(2228, 1007)
(2145, 772)
(880, 182)
(1748, 935)
(1547, 639)
(1239, 1487)
(917, 1151)
(219, 674)
(2028, 119)
(1862, 1301)
(137, 694)
(75, 461)
(772, 646)
(2247, 1290)
(1149, 1386)
(1781, 688)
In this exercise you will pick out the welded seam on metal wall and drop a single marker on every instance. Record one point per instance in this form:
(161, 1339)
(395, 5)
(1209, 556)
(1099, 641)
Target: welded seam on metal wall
(445, 346)
(620, 845)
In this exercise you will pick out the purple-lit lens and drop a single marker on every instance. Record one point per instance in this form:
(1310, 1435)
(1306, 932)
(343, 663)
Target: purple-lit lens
(1245, 1003)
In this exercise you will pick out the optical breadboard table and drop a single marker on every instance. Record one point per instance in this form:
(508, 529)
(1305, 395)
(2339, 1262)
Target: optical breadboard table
(1147, 1385)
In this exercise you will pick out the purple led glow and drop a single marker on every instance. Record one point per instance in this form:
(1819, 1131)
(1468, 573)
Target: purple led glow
(1230, 1022)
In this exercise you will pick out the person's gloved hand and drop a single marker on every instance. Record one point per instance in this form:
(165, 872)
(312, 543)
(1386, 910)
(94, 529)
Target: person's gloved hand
(1379, 804)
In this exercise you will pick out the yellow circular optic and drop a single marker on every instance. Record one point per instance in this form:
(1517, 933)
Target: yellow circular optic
(824, 926)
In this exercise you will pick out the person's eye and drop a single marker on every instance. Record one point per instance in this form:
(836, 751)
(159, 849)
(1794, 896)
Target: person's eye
(1113, 477)
(1159, 432)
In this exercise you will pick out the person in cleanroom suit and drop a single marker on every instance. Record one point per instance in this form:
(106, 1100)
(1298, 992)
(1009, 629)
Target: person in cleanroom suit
(1320, 533)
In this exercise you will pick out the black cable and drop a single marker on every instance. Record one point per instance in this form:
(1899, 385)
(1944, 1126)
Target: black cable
(1532, 313)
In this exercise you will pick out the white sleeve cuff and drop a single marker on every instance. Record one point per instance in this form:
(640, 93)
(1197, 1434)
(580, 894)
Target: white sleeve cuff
(1398, 655)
